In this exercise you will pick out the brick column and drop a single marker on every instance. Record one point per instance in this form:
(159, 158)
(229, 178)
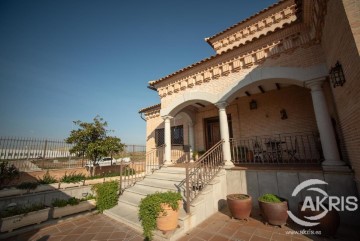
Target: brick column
(224, 132)
(326, 131)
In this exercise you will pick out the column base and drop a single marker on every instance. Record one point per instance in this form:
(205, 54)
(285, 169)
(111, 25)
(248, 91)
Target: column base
(168, 163)
(328, 168)
(332, 163)
(229, 164)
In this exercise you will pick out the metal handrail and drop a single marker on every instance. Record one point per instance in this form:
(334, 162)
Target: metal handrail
(201, 172)
(132, 172)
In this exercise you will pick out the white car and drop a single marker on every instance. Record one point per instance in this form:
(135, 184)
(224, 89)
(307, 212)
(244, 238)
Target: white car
(104, 161)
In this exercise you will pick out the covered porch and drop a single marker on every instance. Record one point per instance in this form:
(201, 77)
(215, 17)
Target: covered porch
(263, 122)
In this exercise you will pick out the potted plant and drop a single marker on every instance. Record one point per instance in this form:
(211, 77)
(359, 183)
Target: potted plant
(159, 210)
(273, 209)
(16, 217)
(328, 225)
(71, 206)
(240, 205)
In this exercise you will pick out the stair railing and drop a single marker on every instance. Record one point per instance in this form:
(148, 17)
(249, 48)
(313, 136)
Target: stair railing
(134, 171)
(201, 172)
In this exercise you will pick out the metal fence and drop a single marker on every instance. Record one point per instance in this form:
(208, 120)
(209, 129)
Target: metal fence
(15, 148)
(292, 148)
(30, 154)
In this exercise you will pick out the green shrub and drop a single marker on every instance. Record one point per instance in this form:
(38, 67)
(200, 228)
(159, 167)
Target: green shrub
(270, 198)
(150, 208)
(7, 173)
(27, 185)
(47, 179)
(73, 201)
(106, 195)
(17, 210)
(73, 177)
(59, 203)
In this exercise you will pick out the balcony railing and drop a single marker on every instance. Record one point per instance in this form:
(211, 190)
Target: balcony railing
(293, 148)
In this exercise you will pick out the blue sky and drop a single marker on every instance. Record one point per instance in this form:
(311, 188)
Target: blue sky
(69, 60)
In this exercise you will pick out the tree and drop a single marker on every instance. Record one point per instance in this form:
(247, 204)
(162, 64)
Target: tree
(91, 140)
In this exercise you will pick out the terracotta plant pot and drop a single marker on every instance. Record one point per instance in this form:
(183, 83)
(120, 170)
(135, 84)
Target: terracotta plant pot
(168, 220)
(274, 213)
(329, 224)
(240, 205)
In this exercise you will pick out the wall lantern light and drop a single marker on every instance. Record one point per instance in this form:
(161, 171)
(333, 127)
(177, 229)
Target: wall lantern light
(337, 77)
(283, 114)
(253, 105)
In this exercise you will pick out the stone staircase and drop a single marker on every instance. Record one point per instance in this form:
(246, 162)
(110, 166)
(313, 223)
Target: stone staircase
(162, 180)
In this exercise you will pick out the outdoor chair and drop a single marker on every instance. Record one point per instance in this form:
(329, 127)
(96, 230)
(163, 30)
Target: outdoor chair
(258, 153)
(293, 151)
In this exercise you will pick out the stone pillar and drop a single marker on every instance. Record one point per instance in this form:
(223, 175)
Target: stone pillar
(326, 131)
(167, 137)
(191, 141)
(224, 132)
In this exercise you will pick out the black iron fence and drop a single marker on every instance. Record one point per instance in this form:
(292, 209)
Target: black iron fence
(292, 148)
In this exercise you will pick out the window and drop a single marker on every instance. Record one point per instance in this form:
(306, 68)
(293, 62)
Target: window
(159, 137)
(177, 136)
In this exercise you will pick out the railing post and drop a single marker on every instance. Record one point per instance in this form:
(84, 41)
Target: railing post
(121, 176)
(187, 186)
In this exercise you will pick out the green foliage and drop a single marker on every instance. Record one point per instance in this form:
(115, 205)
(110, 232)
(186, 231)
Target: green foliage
(270, 198)
(27, 185)
(106, 195)
(71, 201)
(7, 173)
(59, 203)
(47, 179)
(150, 208)
(91, 140)
(73, 177)
(17, 210)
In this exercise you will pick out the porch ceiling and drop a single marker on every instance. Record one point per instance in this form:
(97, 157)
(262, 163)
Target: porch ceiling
(258, 88)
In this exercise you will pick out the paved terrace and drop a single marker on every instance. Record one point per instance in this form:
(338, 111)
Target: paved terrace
(219, 227)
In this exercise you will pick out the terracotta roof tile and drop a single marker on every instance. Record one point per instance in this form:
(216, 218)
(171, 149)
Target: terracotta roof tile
(243, 21)
(150, 108)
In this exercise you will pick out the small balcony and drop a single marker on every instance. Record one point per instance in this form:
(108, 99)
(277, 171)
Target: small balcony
(280, 149)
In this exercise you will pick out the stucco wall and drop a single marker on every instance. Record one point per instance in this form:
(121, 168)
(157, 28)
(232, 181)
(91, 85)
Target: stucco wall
(340, 45)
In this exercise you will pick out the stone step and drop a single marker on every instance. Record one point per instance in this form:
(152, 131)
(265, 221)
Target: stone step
(156, 183)
(131, 198)
(176, 177)
(173, 170)
(145, 190)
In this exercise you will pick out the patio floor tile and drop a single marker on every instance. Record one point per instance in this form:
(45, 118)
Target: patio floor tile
(219, 227)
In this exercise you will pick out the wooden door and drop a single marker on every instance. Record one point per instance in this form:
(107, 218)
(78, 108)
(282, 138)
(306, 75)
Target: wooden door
(213, 134)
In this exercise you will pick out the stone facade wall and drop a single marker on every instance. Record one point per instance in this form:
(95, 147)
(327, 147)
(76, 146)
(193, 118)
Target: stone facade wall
(340, 42)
